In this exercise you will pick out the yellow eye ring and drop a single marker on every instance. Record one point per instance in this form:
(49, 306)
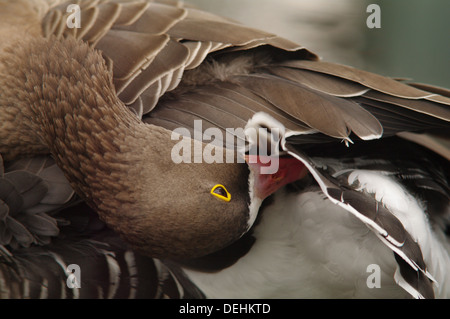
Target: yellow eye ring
(221, 193)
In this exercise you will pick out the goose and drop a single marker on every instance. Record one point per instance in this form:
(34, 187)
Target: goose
(362, 181)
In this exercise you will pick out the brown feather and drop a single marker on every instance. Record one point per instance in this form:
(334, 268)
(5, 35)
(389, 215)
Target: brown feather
(156, 19)
(320, 82)
(430, 88)
(417, 105)
(131, 12)
(329, 115)
(141, 49)
(216, 31)
(368, 79)
(171, 58)
(108, 13)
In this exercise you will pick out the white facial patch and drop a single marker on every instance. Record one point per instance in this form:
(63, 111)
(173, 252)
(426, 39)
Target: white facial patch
(255, 201)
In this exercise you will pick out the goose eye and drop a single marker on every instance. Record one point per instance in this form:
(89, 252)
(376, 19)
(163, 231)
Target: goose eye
(221, 192)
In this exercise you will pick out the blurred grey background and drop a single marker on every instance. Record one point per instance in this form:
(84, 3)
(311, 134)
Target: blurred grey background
(413, 41)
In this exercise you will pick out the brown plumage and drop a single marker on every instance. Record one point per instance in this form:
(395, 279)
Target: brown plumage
(66, 92)
(97, 141)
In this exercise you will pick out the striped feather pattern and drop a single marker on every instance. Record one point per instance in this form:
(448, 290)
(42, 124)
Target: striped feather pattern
(106, 272)
(56, 230)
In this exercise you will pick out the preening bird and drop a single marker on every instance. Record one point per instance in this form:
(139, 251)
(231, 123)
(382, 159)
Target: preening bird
(90, 118)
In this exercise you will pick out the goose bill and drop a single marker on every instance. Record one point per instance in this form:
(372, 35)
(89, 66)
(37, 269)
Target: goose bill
(289, 170)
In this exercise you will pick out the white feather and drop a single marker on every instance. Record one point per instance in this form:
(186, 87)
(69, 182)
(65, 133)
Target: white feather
(114, 273)
(255, 201)
(44, 289)
(411, 213)
(306, 247)
(133, 273)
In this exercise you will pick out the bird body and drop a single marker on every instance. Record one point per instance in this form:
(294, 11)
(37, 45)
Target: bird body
(104, 100)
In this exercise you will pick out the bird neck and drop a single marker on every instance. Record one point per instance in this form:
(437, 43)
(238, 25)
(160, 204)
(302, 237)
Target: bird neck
(57, 96)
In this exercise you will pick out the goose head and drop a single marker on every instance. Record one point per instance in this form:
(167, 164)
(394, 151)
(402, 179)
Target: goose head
(57, 96)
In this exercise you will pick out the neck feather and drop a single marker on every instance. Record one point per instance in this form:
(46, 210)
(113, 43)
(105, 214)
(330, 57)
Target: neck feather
(60, 99)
